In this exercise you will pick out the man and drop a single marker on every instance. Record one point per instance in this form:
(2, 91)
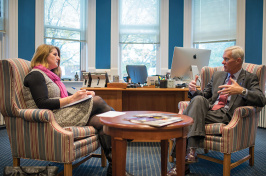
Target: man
(226, 91)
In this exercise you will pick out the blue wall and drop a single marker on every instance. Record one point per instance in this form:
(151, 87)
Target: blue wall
(176, 16)
(103, 34)
(26, 29)
(254, 34)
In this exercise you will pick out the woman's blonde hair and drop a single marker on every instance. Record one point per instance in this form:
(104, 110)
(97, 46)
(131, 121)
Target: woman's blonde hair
(41, 54)
(40, 57)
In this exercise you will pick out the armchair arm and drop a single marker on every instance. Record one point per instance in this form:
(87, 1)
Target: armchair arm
(42, 116)
(240, 133)
(36, 115)
(182, 105)
(50, 133)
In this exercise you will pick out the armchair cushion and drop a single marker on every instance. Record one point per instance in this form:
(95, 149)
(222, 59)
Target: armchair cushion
(214, 128)
(82, 132)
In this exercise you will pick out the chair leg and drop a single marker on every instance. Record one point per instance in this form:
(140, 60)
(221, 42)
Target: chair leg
(16, 161)
(68, 169)
(251, 153)
(103, 158)
(171, 159)
(226, 164)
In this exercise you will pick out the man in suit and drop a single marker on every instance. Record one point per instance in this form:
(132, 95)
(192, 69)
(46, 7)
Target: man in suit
(226, 91)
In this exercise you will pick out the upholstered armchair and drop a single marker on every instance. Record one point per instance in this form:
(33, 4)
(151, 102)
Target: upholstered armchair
(34, 133)
(240, 133)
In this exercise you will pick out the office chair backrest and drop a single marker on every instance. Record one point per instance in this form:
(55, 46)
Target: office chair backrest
(137, 73)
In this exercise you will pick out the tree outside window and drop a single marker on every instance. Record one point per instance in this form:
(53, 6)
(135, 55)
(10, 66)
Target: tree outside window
(65, 28)
(139, 39)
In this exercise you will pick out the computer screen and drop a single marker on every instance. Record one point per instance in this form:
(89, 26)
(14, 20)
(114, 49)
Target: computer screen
(184, 58)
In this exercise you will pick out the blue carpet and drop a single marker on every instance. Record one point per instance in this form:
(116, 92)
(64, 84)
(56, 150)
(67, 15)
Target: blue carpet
(143, 159)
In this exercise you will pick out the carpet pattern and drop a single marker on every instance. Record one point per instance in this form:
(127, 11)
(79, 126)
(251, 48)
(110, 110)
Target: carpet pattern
(143, 159)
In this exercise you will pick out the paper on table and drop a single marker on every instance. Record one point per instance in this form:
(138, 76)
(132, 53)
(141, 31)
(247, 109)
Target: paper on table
(111, 114)
(76, 102)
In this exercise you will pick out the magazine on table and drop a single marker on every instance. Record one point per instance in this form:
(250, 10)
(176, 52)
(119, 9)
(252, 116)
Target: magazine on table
(155, 119)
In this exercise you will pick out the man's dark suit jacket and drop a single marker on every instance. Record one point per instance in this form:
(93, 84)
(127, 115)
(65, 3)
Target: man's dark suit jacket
(255, 96)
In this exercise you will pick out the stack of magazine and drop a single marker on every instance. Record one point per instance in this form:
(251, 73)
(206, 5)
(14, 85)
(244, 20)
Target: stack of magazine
(155, 119)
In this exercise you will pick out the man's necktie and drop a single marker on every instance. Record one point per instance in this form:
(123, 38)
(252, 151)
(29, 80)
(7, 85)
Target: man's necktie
(222, 98)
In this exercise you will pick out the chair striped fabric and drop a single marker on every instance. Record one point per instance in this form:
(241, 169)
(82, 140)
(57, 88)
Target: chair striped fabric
(34, 133)
(231, 137)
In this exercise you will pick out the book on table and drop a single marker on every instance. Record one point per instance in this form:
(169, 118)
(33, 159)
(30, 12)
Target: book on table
(155, 119)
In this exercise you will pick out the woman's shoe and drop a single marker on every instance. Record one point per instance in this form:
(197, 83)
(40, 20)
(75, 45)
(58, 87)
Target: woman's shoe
(191, 156)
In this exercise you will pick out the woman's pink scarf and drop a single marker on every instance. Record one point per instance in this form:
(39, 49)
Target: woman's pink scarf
(55, 79)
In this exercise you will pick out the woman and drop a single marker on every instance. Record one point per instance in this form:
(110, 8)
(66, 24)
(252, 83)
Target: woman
(44, 90)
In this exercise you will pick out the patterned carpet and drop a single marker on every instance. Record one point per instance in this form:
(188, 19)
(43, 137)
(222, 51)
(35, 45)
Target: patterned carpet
(143, 159)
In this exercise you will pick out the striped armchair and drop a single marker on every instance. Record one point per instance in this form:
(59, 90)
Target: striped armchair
(231, 137)
(34, 133)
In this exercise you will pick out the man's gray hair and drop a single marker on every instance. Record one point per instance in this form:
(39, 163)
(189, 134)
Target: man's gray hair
(237, 52)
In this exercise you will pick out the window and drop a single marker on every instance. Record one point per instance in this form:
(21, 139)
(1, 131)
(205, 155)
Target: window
(214, 27)
(139, 33)
(64, 27)
(2, 27)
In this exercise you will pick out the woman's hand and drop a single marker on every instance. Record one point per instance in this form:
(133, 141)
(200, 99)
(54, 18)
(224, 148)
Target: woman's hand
(77, 96)
(92, 93)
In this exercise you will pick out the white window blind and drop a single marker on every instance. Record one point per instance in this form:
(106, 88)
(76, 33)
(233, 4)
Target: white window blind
(214, 21)
(65, 20)
(139, 21)
(2, 16)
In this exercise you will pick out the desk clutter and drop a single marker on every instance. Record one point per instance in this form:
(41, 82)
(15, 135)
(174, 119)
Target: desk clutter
(93, 79)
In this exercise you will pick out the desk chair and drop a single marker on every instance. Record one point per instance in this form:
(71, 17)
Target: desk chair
(34, 133)
(137, 73)
(231, 138)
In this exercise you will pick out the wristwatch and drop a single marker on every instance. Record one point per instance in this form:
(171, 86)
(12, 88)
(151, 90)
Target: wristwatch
(244, 92)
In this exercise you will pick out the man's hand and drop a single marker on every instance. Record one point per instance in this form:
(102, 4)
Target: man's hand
(232, 89)
(192, 84)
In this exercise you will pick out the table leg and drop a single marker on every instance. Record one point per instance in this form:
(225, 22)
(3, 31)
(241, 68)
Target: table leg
(180, 155)
(119, 149)
(164, 156)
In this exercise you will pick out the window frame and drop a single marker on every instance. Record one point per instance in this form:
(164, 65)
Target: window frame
(9, 39)
(162, 56)
(188, 27)
(40, 30)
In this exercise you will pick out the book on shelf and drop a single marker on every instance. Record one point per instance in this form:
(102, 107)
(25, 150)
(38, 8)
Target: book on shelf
(155, 119)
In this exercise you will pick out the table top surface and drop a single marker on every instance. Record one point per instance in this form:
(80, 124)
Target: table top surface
(121, 123)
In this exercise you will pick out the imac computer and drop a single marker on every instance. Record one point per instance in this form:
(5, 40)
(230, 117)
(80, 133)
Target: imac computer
(188, 62)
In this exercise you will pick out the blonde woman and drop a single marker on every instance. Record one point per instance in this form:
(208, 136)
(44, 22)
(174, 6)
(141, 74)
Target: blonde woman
(43, 89)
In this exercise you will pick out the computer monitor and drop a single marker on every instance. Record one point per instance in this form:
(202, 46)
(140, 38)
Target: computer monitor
(184, 58)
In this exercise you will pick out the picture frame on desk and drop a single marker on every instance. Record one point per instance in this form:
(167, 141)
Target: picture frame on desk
(95, 79)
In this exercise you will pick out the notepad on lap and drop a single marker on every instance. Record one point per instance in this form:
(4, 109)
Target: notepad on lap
(76, 102)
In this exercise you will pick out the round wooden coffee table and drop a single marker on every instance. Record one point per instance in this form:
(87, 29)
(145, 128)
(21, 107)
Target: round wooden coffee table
(120, 130)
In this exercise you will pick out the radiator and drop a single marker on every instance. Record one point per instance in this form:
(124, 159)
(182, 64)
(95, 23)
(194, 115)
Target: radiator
(262, 120)
(2, 122)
